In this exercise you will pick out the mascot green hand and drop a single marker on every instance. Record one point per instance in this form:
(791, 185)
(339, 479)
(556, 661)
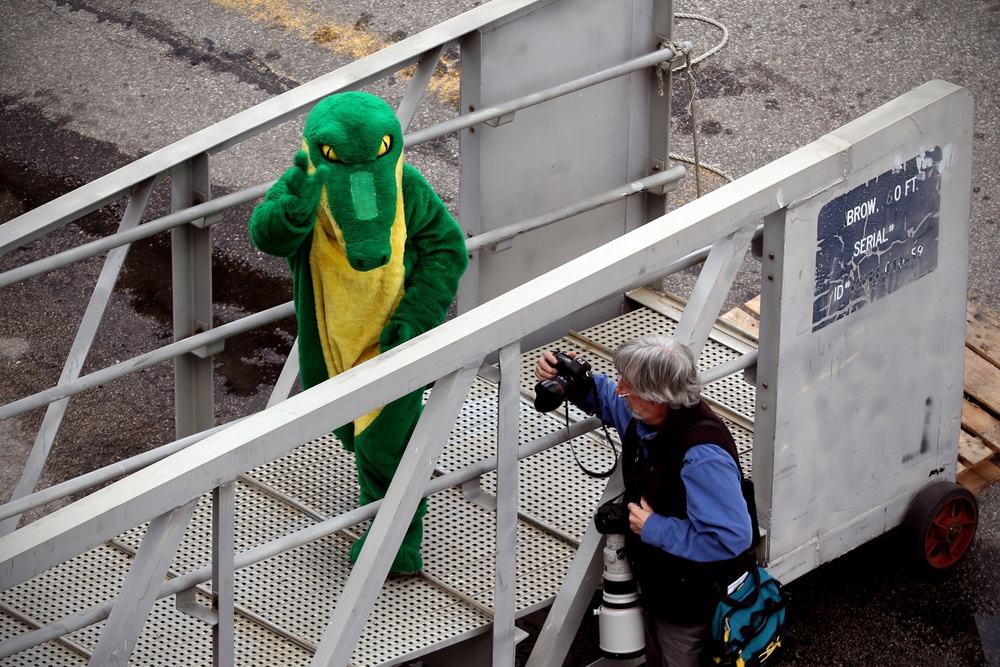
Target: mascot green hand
(375, 259)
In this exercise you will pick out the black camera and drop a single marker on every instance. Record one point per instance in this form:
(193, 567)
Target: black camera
(572, 378)
(611, 518)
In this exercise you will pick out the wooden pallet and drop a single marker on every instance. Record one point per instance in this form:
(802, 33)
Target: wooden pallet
(979, 440)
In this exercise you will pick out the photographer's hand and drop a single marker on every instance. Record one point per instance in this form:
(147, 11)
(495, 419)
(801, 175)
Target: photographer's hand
(545, 368)
(637, 515)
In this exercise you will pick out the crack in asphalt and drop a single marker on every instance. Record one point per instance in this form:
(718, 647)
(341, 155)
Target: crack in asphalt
(245, 66)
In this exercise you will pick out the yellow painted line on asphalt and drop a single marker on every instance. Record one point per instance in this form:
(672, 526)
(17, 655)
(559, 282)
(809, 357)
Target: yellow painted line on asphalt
(343, 39)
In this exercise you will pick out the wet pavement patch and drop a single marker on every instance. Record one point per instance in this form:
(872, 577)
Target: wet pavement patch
(249, 361)
(989, 635)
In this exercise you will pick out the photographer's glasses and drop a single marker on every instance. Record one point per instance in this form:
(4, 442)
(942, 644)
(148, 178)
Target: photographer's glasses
(622, 390)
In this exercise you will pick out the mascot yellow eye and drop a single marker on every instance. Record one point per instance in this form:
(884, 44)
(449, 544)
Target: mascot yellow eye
(386, 145)
(328, 152)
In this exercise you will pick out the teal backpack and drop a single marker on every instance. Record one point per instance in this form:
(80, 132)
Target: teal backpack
(749, 623)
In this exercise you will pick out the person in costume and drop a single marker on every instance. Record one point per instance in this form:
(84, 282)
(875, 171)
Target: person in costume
(691, 529)
(375, 259)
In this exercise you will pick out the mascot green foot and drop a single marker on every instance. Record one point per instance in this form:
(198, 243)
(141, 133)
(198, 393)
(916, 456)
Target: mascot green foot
(408, 559)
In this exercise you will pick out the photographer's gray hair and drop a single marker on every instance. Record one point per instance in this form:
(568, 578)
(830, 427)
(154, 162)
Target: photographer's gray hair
(659, 369)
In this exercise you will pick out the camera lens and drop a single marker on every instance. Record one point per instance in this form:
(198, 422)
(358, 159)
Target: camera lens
(549, 394)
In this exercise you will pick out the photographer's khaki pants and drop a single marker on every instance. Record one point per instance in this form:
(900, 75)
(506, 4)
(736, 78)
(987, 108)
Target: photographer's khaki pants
(672, 644)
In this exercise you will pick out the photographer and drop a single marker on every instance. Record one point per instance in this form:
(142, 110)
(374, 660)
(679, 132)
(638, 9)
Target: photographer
(690, 524)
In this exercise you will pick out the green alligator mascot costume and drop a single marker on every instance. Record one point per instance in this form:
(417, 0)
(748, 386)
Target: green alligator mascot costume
(375, 259)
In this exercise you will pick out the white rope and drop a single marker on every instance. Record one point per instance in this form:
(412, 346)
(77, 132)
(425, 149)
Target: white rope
(676, 157)
(688, 63)
(715, 49)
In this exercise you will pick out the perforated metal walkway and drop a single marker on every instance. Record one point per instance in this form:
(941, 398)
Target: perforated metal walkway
(284, 603)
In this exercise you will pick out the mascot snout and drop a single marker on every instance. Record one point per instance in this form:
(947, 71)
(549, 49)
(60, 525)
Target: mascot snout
(365, 255)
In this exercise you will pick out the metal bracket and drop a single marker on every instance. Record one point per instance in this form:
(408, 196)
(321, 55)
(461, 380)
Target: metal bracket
(207, 221)
(473, 492)
(658, 166)
(207, 351)
(187, 602)
(499, 246)
(501, 120)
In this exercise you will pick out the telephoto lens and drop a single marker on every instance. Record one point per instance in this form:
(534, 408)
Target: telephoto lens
(619, 621)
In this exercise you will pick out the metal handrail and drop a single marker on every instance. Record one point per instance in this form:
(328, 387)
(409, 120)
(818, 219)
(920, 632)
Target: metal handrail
(106, 474)
(216, 207)
(143, 361)
(209, 210)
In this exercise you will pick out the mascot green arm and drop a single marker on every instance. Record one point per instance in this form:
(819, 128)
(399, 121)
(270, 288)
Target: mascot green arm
(434, 261)
(281, 223)
(283, 227)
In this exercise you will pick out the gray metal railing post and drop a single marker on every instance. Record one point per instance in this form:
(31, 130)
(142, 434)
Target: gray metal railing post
(504, 598)
(192, 299)
(659, 109)
(224, 575)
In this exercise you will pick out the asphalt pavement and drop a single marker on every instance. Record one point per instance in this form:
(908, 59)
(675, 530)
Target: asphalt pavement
(87, 86)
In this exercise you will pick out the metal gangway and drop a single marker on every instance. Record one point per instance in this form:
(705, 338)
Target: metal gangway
(228, 546)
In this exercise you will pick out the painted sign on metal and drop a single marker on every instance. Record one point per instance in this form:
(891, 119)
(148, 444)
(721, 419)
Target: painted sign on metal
(877, 238)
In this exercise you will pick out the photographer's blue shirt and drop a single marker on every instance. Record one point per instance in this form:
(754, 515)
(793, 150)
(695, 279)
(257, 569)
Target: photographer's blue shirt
(718, 524)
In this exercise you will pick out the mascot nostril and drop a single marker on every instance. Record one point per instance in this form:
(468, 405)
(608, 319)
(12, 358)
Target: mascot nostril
(347, 206)
(370, 254)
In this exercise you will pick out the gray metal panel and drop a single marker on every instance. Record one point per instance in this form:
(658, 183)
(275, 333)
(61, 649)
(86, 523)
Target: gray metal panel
(866, 409)
(559, 141)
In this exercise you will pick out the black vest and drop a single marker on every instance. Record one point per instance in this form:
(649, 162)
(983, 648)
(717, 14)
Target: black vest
(675, 588)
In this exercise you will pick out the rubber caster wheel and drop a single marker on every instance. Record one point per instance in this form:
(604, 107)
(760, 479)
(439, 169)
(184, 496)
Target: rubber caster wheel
(941, 523)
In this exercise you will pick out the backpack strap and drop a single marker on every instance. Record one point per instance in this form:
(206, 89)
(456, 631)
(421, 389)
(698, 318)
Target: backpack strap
(707, 431)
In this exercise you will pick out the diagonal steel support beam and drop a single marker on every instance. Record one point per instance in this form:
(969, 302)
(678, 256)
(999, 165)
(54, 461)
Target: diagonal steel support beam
(286, 380)
(138, 593)
(574, 596)
(714, 282)
(393, 518)
(78, 352)
(421, 78)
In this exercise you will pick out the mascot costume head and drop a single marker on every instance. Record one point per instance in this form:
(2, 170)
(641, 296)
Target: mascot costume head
(375, 259)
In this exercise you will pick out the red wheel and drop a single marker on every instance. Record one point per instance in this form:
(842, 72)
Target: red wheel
(942, 522)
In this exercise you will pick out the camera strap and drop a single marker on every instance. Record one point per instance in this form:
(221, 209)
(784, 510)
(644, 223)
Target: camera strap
(596, 474)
